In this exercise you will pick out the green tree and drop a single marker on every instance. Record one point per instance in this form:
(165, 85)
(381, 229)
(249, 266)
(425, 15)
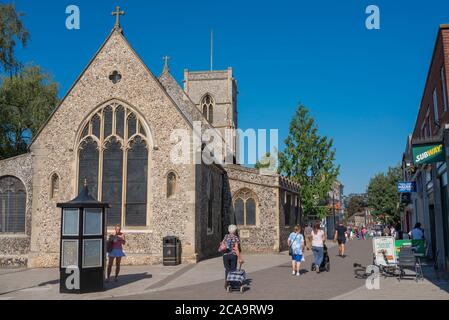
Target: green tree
(308, 159)
(26, 101)
(383, 197)
(356, 203)
(11, 31)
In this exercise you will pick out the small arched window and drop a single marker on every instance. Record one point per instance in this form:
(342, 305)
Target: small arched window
(207, 105)
(12, 205)
(245, 207)
(54, 186)
(171, 184)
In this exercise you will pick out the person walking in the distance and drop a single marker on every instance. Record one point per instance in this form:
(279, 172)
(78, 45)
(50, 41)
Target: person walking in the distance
(116, 242)
(308, 234)
(340, 236)
(318, 239)
(296, 245)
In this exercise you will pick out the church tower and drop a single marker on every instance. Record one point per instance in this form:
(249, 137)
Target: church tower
(215, 95)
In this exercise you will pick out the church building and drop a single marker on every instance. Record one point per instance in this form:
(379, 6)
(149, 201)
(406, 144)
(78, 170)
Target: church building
(114, 128)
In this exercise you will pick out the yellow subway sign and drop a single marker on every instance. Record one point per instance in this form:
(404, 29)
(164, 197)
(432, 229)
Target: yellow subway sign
(428, 154)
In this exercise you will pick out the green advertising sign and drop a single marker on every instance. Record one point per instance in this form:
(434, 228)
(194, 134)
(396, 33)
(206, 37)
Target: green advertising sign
(428, 154)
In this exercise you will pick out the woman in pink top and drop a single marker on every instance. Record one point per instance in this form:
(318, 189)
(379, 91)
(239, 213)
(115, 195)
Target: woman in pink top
(118, 240)
(318, 239)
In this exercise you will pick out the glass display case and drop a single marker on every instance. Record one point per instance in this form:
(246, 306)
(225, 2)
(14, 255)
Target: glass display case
(82, 250)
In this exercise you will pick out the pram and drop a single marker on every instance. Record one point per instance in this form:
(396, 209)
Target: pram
(325, 264)
(236, 280)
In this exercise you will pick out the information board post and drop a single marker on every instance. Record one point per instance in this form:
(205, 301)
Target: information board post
(82, 244)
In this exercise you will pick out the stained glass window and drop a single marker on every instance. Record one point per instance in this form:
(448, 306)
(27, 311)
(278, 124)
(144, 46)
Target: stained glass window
(245, 208)
(124, 169)
(250, 212)
(96, 123)
(12, 205)
(136, 186)
(107, 114)
(112, 180)
(120, 121)
(132, 123)
(88, 166)
(239, 208)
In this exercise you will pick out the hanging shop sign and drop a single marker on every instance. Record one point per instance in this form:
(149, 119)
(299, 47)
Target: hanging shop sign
(424, 154)
(406, 187)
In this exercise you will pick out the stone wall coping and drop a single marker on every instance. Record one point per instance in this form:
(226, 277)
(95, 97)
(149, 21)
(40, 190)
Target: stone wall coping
(24, 155)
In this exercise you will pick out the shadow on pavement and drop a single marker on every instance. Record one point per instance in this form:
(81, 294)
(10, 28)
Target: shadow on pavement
(43, 284)
(360, 271)
(436, 277)
(126, 279)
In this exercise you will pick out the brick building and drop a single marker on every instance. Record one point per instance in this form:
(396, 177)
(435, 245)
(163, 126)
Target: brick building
(429, 204)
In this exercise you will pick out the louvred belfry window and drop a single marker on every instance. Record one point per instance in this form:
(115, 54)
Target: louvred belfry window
(113, 157)
(207, 105)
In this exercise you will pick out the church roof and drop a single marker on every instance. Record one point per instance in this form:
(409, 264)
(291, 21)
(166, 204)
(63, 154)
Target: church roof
(178, 95)
(119, 31)
(185, 104)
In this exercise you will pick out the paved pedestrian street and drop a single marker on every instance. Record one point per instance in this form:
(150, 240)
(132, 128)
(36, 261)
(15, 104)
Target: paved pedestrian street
(270, 277)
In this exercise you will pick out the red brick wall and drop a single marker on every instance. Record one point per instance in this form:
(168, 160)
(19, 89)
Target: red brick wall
(440, 58)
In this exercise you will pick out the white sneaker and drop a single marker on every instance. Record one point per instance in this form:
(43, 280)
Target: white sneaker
(298, 274)
(293, 273)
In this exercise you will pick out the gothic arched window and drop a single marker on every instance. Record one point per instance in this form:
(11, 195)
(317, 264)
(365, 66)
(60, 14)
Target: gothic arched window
(113, 157)
(245, 208)
(207, 105)
(54, 186)
(171, 184)
(12, 205)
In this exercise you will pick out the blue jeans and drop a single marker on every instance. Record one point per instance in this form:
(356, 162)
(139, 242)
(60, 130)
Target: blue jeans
(318, 255)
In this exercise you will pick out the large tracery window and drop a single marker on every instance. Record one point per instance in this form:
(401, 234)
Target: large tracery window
(207, 106)
(245, 208)
(12, 205)
(113, 157)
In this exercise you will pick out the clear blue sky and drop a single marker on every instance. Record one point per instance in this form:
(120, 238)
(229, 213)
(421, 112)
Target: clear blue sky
(363, 87)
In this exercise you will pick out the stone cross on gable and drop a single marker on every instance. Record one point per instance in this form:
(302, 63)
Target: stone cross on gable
(118, 13)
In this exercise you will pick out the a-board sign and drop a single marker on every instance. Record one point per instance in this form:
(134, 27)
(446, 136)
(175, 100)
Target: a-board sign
(384, 250)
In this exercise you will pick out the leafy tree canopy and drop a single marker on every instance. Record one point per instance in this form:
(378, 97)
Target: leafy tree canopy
(383, 197)
(308, 159)
(356, 203)
(26, 101)
(11, 31)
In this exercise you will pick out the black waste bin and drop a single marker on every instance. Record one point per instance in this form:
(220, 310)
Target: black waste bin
(171, 251)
